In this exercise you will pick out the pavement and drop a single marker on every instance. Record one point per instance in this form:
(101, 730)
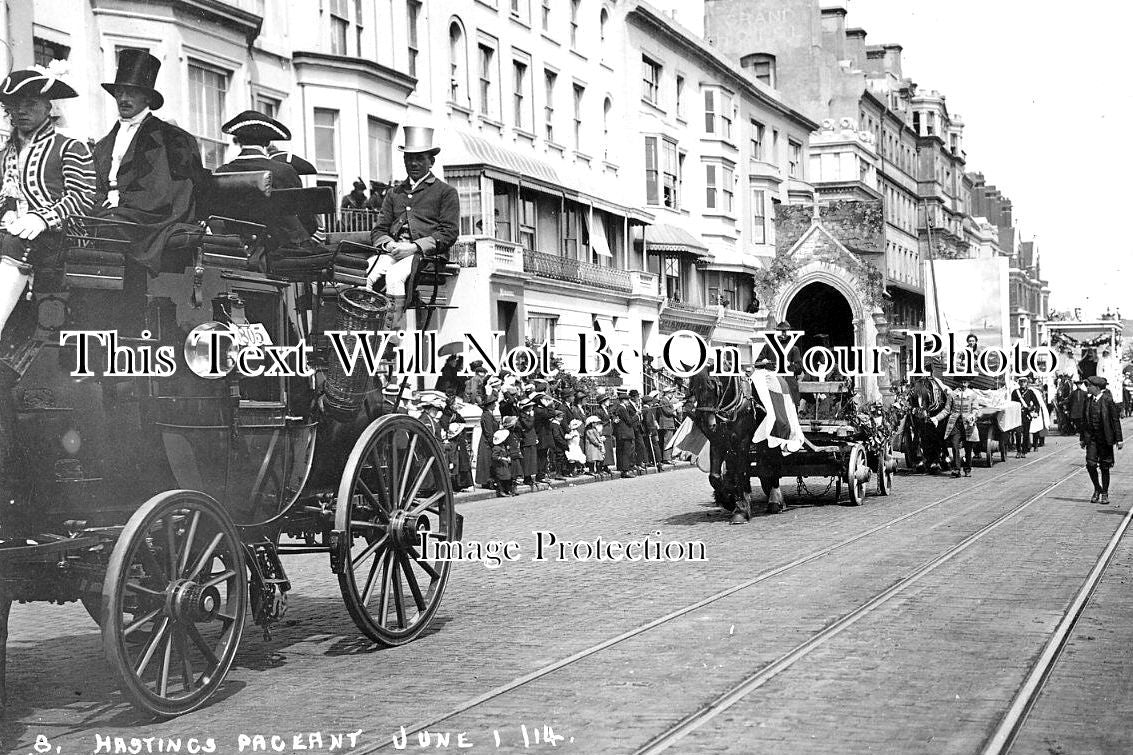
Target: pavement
(604, 655)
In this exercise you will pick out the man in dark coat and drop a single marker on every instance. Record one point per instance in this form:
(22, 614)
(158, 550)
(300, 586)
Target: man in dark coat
(640, 450)
(560, 446)
(252, 131)
(624, 419)
(1026, 397)
(1101, 431)
(543, 417)
(1077, 404)
(377, 195)
(666, 425)
(148, 171)
(1088, 365)
(488, 427)
(649, 429)
(419, 216)
(528, 440)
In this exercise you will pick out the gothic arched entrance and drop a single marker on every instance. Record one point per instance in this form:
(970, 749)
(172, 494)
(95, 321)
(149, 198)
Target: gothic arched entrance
(820, 308)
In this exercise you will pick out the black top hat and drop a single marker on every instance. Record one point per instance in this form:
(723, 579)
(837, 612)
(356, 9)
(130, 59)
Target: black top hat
(34, 84)
(257, 126)
(137, 68)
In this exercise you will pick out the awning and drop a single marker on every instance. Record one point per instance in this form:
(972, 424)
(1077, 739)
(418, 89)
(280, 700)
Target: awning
(498, 162)
(598, 240)
(664, 238)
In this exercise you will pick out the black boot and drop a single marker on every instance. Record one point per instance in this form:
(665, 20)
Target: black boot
(1105, 485)
(1093, 472)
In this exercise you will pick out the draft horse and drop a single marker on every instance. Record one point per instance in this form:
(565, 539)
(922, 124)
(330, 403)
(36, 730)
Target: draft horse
(727, 413)
(924, 439)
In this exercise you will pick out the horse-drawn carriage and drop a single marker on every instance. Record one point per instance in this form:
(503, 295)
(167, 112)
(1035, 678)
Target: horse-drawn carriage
(840, 442)
(922, 441)
(164, 503)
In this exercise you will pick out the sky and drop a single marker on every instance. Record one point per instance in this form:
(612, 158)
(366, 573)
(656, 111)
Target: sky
(1045, 97)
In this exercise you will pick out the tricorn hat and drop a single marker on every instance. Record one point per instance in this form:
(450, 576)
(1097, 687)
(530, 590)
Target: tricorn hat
(35, 84)
(256, 125)
(137, 68)
(419, 139)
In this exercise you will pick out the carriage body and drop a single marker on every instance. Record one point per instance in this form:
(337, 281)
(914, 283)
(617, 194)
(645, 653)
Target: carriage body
(164, 502)
(841, 443)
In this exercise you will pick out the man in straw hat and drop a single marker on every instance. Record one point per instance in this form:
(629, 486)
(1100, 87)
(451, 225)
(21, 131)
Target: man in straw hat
(420, 215)
(149, 171)
(252, 132)
(1101, 431)
(46, 179)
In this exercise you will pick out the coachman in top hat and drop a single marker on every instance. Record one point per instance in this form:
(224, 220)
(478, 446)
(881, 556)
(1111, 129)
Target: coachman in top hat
(149, 171)
(420, 215)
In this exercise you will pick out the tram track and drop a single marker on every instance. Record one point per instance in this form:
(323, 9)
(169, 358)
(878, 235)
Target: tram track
(795, 654)
(1011, 724)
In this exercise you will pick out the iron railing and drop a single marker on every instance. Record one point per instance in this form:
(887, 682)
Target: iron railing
(576, 271)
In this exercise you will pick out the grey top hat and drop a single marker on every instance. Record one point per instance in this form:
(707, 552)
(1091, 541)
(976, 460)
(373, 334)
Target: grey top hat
(418, 140)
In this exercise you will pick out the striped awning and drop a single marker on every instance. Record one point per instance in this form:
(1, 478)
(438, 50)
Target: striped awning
(664, 238)
(501, 162)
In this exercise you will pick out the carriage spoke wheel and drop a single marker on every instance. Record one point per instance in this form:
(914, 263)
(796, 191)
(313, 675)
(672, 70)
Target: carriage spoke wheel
(173, 602)
(856, 467)
(884, 474)
(395, 486)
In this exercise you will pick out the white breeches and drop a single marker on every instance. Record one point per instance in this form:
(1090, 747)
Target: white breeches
(396, 273)
(12, 284)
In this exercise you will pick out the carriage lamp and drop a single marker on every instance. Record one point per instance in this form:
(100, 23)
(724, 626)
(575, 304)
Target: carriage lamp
(72, 441)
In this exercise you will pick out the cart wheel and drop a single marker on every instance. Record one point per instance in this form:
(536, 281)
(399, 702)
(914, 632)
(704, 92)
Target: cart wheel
(395, 485)
(884, 476)
(855, 479)
(173, 602)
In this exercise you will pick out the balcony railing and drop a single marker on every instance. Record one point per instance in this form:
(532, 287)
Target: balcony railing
(350, 221)
(575, 271)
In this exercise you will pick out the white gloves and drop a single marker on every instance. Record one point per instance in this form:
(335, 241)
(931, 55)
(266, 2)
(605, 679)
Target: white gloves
(27, 226)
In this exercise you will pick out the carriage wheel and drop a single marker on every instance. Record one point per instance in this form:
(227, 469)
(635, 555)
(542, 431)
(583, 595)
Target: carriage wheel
(884, 475)
(990, 448)
(173, 602)
(856, 470)
(395, 486)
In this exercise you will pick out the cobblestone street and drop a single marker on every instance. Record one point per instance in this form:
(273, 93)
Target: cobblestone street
(905, 625)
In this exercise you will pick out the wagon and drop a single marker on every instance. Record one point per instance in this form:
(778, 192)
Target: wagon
(166, 503)
(841, 443)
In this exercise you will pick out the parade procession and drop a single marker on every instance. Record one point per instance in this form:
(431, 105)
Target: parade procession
(583, 375)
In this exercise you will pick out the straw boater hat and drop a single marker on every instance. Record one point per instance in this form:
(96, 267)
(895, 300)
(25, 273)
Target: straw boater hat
(137, 68)
(34, 83)
(575, 424)
(256, 126)
(500, 436)
(509, 421)
(592, 420)
(455, 429)
(419, 140)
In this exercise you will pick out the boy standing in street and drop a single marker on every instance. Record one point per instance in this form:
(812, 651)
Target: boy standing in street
(1101, 430)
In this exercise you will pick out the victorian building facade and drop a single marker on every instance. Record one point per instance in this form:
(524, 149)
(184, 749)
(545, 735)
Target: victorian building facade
(617, 176)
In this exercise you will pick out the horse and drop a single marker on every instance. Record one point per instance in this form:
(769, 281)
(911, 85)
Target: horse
(1063, 389)
(925, 437)
(728, 414)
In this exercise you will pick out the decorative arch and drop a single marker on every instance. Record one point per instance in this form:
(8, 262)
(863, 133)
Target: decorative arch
(817, 271)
